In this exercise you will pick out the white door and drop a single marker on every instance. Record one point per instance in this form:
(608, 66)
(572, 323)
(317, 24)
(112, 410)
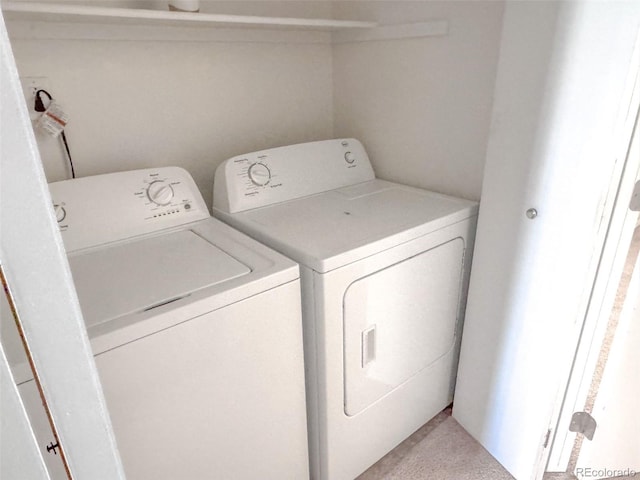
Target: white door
(608, 381)
(36, 270)
(615, 448)
(608, 331)
(552, 170)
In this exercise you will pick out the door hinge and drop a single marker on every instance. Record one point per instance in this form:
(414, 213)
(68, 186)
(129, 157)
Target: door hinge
(634, 204)
(546, 439)
(582, 422)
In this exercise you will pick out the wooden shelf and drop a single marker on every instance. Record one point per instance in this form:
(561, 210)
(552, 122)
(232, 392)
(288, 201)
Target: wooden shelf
(50, 12)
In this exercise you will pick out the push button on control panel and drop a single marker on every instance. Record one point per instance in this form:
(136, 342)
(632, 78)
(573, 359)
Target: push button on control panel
(350, 157)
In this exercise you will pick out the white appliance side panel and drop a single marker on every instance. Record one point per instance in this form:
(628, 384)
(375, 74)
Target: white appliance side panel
(399, 321)
(218, 396)
(134, 276)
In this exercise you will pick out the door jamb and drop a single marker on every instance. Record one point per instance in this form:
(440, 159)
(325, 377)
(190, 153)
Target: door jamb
(609, 265)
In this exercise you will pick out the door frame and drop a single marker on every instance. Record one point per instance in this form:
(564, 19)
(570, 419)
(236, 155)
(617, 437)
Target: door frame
(620, 223)
(35, 266)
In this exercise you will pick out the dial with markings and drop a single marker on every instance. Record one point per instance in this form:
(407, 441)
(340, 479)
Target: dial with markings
(160, 192)
(259, 174)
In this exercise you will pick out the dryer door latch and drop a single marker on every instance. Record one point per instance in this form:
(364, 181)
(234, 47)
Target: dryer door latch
(368, 345)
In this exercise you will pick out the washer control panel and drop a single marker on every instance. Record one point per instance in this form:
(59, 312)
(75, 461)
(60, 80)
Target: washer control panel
(266, 177)
(99, 209)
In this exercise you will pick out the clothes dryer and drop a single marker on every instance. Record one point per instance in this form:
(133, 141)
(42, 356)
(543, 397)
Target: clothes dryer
(384, 271)
(196, 330)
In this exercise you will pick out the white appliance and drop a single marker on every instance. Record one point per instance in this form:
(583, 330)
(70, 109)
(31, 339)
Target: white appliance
(384, 271)
(195, 327)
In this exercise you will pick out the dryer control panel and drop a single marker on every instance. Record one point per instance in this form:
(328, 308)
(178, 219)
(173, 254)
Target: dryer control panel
(105, 208)
(266, 177)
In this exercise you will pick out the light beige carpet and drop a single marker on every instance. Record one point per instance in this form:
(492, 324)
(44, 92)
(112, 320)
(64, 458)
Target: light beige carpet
(442, 450)
(448, 452)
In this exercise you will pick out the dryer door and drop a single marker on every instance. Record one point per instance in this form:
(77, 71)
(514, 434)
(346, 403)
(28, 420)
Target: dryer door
(399, 321)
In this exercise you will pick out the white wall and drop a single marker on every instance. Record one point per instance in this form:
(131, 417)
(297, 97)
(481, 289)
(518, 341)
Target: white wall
(135, 104)
(421, 106)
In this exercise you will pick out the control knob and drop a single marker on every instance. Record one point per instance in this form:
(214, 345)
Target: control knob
(259, 174)
(160, 193)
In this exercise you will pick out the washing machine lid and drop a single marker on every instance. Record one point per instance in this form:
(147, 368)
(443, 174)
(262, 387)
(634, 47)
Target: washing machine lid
(142, 274)
(331, 229)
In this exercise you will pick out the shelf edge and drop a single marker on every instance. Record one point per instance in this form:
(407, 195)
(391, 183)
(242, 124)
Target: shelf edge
(430, 28)
(63, 12)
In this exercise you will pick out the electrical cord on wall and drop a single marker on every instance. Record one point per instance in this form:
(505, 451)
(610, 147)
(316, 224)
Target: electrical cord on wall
(40, 107)
(66, 146)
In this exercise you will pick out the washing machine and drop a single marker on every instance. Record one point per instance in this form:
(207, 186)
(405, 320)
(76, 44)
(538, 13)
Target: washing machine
(384, 271)
(195, 327)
